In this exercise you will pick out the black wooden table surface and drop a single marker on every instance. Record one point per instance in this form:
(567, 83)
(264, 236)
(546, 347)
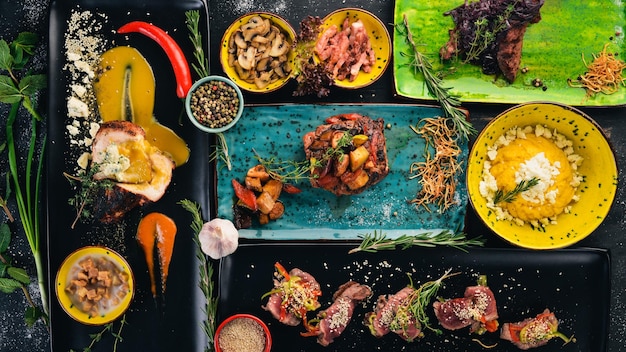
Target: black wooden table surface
(31, 15)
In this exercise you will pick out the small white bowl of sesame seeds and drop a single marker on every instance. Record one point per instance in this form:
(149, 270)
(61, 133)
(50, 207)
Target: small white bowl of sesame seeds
(214, 104)
(242, 333)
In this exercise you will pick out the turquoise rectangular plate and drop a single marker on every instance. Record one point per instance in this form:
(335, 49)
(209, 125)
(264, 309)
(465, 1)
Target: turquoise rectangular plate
(277, 130)
(552, 51)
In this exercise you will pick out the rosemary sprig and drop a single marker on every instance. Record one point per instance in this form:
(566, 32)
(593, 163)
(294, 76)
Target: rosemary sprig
(417, 302)
(508, 197)
(449, 104)
(378, 241)
(193, 25)
(206, 274)
(220, 149)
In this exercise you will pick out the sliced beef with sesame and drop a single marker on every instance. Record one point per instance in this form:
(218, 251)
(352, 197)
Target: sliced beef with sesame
(391, 314)
(335, 319)
(533, 332)
(477, 309)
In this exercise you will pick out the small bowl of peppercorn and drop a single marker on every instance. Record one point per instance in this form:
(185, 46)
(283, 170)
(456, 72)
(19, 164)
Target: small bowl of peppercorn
(214, 104)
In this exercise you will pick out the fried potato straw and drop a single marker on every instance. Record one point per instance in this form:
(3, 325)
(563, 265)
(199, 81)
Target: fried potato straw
(604, 74)
(437, 173)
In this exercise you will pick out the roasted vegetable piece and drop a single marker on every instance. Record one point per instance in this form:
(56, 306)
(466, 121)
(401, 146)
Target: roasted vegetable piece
(358, 157)
(246, 196)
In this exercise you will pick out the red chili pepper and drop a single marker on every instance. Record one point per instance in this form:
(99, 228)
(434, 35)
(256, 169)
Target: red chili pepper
(291, 189)
(491, 325)
(173, 51)
(245, 195)
(281, 270)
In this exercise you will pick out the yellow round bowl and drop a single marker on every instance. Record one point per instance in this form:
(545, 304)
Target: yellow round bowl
(67, 272)
(379, 38)
(229, 69)
(598, 169)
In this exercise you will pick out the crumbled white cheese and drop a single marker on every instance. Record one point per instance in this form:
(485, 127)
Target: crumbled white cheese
(539, 167)
(113, 163)
(77, 108)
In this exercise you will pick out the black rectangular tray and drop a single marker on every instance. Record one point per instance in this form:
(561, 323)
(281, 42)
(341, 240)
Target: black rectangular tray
(572, 283)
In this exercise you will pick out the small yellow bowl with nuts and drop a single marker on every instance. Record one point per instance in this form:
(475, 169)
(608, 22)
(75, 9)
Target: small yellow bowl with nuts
(257, 52)
(94, 285)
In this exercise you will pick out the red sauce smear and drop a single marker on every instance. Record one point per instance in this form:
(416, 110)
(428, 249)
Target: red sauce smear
(159, 229)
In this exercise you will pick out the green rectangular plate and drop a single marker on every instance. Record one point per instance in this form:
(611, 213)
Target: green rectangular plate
(552, 51)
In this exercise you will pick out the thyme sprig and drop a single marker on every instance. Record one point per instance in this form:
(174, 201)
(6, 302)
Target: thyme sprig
(296, 171)
(507, 197)
(449, 103)
(416, 304)
(378, 241)
(206, 274)
(220, 149)
(89, 190)
(117, 335)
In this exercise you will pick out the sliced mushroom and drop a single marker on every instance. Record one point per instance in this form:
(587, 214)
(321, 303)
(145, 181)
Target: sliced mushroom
(255, 26)
(246, 59)
(279, 46)
(263, 64)
(239, 41)
(263, 80)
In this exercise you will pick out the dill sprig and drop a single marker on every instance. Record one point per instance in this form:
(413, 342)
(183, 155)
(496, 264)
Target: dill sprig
(508, 197)
(449, 103)
(417, 302)
(378, 241)
(206, 274)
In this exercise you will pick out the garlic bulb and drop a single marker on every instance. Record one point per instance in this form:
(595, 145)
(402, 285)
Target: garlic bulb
(218, 238)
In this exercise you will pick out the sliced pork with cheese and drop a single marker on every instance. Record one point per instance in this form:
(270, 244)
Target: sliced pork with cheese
(141, 172)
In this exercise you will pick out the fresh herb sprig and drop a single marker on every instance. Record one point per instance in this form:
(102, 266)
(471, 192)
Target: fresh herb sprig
(295, 171)
(206, 274)
(13, 278)
(89, 190)
(220, 149)
(19, 87)
(378, 241)
(195, 35)
(507, 197)
(449, 103)
(418, 302)
(117, 335)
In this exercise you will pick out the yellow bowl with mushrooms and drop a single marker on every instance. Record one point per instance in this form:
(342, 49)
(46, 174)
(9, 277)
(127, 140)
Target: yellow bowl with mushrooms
(257, 52)
(542, 175)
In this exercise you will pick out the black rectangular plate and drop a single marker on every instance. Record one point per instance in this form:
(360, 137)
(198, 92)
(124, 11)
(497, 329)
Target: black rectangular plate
(173, 321)
(572, 283)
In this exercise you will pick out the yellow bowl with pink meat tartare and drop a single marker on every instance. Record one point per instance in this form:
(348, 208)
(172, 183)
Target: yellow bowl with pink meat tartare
(356, 46)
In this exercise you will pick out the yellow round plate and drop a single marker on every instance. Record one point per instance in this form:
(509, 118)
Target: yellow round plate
(229, 70)
(599, 170)
(379, 38)
(62, 281)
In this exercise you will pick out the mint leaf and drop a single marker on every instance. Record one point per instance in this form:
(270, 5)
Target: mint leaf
(19, 274)
(26, 41)
(32, 314)
(8, 92)
(29, 85)
(5, 237)
(9, 285)
(6, 60)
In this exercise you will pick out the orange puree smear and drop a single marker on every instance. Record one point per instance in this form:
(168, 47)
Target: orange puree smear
(125, 91)
(159, 229)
